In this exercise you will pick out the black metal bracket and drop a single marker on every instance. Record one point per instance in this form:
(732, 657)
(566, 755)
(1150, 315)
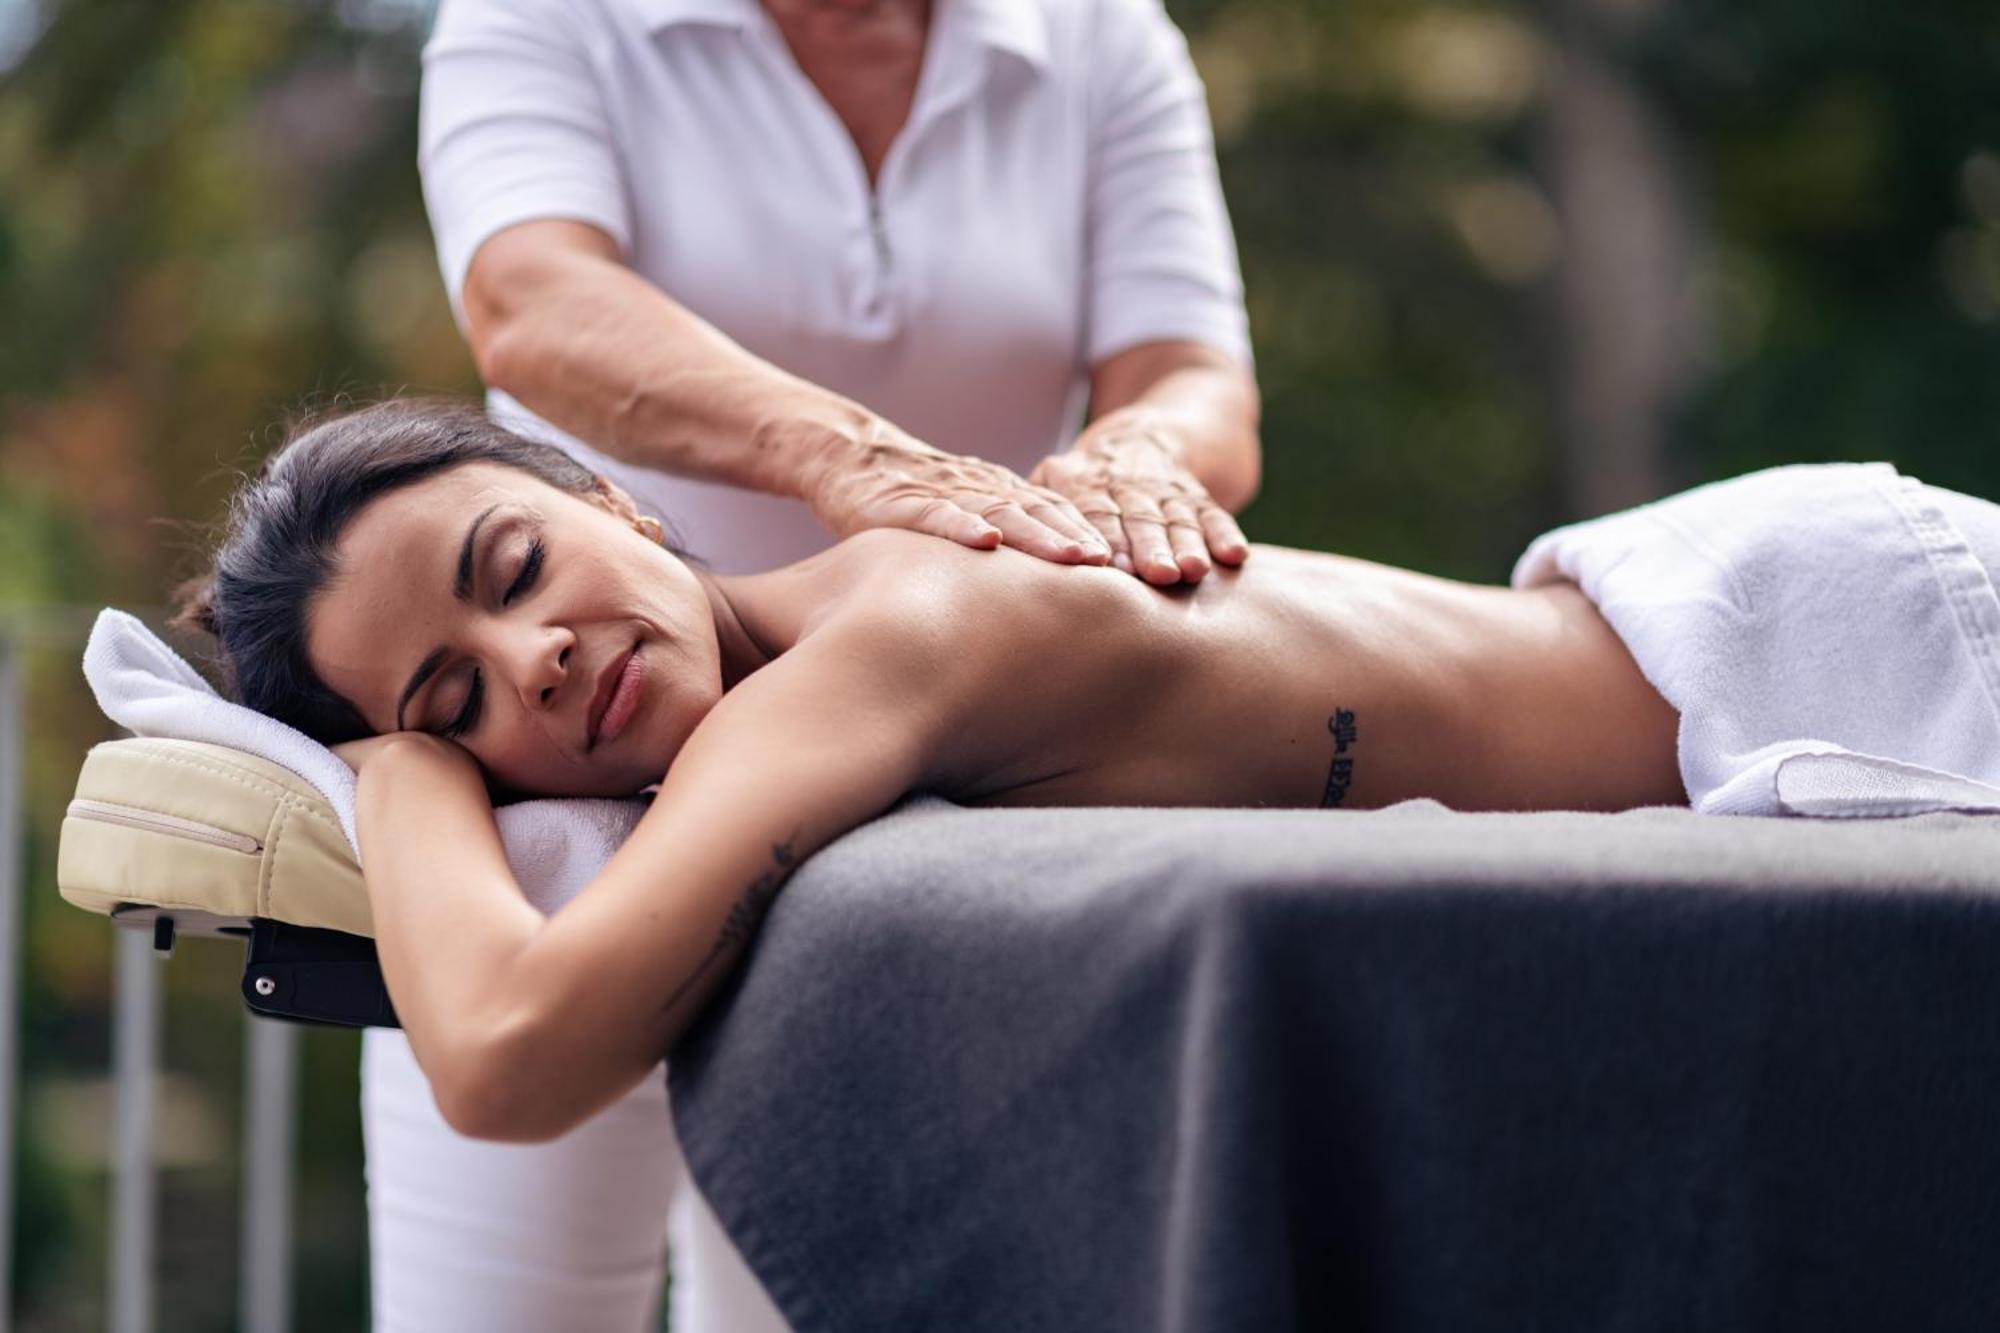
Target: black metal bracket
(310, 975)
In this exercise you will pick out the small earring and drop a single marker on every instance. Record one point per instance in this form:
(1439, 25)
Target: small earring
(650, 526)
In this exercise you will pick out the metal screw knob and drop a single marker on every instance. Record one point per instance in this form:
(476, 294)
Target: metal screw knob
(264, 985)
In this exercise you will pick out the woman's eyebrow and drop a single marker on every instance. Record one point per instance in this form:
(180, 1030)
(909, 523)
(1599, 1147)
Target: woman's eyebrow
(461, 588)
(425, 670)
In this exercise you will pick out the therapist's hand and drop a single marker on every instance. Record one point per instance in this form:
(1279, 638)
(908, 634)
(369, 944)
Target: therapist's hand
(1125, 475)
(888, 479)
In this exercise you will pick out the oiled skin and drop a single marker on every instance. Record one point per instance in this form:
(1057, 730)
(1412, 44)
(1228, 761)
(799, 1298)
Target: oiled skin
(1080, 685)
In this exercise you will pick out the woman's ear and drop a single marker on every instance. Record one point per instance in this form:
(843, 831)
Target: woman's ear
(614, 500)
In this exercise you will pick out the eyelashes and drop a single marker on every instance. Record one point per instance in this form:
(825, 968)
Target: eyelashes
(468, 716)
(530, 568)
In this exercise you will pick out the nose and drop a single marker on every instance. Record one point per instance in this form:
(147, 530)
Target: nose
(539, 662)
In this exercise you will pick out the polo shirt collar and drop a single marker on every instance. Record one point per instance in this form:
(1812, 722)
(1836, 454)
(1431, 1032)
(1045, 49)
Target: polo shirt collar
(661, 14)
(1018, 27)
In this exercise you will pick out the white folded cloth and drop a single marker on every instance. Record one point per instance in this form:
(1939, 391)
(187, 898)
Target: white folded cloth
(1830, 638)
(554, 846)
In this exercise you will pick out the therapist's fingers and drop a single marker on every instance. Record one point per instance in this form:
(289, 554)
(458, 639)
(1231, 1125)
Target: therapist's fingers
(1076, 482)
(1056, 510)
(1030, 518)
(899, 481)
(1184, 535)
(1111, 529)
(1225, 538)
(1026, 532)
(1146, 529)
(939, 517)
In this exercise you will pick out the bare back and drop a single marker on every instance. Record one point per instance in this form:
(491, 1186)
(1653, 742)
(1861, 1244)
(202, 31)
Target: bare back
(1301, 679)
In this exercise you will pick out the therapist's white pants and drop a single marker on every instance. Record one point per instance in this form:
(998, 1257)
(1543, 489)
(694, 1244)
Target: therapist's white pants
(534, 1238)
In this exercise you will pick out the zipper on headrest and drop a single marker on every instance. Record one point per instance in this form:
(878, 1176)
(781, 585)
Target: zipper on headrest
(173, 826)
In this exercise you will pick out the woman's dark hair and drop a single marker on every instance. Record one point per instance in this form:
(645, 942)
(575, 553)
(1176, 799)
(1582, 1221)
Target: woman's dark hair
(277, 550)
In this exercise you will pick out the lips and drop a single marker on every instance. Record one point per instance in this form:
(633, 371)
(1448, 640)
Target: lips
(617, 684)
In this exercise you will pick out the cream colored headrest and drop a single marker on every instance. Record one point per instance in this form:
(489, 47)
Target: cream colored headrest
(206, 829)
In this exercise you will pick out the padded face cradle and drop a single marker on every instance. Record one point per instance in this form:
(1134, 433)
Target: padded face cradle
(216, 836)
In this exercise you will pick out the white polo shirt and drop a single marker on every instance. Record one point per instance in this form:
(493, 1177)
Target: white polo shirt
(1052, 200)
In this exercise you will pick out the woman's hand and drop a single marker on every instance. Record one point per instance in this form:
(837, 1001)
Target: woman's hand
(887, 479)
(1126, 476)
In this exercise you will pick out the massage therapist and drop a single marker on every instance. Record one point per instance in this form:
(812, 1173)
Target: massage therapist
(854, 261)
(786, 271)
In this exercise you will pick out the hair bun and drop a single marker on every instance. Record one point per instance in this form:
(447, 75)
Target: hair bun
(196, 600)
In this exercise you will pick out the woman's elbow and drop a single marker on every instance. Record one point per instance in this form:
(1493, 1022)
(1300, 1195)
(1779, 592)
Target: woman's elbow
(503, 1094)
(498, 1114)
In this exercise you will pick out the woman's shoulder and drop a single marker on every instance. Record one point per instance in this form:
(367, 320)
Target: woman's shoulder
(894, 572)
(941, 609)
(899, 582)
(883, 566)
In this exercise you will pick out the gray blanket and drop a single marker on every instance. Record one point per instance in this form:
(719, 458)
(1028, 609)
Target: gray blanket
(1248, 1069)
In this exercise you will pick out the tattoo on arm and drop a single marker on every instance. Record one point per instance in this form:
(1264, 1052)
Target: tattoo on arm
(743, 916)
(1340, 776)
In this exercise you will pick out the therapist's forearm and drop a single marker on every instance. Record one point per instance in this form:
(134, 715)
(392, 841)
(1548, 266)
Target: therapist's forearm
(1207, 411)
(593, 347)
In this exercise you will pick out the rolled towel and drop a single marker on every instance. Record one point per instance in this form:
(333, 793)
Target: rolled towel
(1829, 636)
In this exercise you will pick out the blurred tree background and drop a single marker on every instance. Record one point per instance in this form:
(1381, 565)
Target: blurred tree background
(1507, 266)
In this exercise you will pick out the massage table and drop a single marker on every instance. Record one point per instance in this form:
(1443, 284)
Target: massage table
(182, 837)
(1033, 1069)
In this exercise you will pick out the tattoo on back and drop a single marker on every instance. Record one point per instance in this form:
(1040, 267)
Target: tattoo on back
(744, 914)
(1340, 776)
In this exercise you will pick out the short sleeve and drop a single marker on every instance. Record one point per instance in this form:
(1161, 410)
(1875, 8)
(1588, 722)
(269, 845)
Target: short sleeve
(512, 128)
(1162, 260)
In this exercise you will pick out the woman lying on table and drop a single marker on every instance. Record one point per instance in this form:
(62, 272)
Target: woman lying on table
(462, 611)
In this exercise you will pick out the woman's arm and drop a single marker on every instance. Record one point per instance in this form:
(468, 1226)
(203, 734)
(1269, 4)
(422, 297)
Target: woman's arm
(526, 1026)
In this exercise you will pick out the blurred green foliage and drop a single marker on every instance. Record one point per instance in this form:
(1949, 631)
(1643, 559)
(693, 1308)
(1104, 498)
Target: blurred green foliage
(209, 213)
(1848, 157)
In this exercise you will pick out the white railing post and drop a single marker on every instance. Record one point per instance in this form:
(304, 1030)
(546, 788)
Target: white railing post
(13, 720)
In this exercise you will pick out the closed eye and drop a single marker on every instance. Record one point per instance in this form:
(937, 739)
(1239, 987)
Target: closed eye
(468, 714)
(531, 567)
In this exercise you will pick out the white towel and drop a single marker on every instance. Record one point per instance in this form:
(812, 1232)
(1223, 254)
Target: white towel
(1829, 637)
(554, 846)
